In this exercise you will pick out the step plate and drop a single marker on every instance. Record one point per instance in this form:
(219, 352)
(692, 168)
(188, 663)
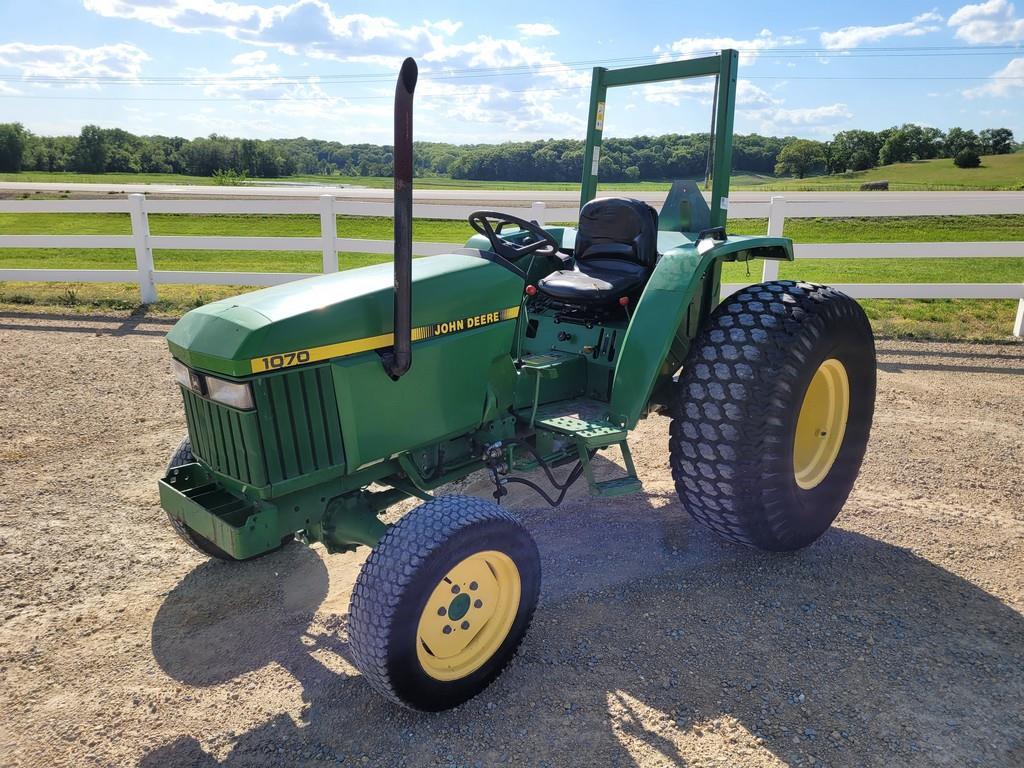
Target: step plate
(582, 419)
(547, 360)
(619, 486)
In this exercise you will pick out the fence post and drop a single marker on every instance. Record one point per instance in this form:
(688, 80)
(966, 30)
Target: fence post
(329, 233)
(1018, 324)
(776, 221)
(537, 211)
(143, 253)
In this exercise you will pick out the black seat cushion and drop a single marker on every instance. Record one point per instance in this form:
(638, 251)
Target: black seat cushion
(619, 226)
(595, 281)
(616, 249)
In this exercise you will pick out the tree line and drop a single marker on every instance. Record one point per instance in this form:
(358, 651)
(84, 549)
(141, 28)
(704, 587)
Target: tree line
(112, 150)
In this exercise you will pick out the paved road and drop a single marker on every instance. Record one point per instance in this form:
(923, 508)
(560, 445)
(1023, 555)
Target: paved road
(866, 203)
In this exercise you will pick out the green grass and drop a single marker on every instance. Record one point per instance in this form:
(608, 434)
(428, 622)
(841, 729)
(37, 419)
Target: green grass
(106, 178)
(934, 319)
(996, 172)
(739, 180)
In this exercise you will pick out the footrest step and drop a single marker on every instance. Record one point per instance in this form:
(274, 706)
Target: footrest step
(547, 364)
(619, 486)
(593, 433)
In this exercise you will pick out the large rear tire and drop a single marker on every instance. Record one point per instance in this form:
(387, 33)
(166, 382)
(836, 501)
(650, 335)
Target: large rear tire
(773, 412)
(443, 602)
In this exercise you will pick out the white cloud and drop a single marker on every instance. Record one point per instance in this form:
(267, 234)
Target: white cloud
(249, 59)
(673, 92)
(310, 28)
(537, 30)
(252, 77)
(991, 22)
(307, 27)
(852, 37)
(779, 120)
(1007, 81)
(749, 49)
(122, 61)
(487, 52)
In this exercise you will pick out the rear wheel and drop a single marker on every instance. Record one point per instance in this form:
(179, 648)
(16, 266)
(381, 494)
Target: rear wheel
(773, 412)
(443, 602)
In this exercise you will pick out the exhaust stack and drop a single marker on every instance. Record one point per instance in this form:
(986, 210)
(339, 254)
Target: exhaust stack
(399, 359)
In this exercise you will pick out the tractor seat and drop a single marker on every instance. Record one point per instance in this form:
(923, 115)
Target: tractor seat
(616, 250)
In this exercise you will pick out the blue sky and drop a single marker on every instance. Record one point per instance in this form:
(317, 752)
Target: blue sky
(495, 72)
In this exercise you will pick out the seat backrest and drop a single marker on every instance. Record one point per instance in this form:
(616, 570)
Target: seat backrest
(618, 228)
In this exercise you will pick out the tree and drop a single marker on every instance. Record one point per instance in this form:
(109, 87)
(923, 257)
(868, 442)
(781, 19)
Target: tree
(799, 157)
(957, 140)
(854, 151)
(13, 138)
(909, 142)
(90, 154)
(897, 148)
(929, 143)
(967, 158)
(996, 141)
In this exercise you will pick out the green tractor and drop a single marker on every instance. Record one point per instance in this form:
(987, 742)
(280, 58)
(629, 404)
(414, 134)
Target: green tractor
(314, 406)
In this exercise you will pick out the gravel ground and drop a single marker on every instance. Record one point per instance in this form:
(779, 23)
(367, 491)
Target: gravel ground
(898, 639)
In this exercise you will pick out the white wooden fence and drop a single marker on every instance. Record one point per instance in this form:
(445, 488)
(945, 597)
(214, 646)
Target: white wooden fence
(330, 244)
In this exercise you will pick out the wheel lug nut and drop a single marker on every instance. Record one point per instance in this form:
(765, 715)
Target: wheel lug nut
(478, 604)
(442, 611)
(473, 585)
(447, 630)
(455, 589)
(465, 625)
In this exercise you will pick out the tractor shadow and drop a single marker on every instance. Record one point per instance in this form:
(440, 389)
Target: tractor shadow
(655, 644)
(224, 620)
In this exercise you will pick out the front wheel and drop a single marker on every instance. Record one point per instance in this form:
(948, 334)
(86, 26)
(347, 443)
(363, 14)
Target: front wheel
(443, 602)
(773, 412)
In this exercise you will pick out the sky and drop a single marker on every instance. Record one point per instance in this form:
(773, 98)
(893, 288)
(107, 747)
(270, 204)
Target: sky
(492, 72)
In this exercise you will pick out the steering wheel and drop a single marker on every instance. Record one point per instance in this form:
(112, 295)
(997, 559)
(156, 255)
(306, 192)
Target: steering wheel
(543, 243)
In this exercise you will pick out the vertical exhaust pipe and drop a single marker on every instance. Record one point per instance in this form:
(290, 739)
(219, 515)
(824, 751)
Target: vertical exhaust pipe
(398, 361)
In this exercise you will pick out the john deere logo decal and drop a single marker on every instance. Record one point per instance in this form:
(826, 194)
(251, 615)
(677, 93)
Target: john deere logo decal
(314, 354)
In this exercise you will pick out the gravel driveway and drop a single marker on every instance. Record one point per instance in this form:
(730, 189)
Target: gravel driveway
(898, 639)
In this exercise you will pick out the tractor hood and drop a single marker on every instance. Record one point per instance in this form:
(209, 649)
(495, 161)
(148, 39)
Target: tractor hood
(342, 313)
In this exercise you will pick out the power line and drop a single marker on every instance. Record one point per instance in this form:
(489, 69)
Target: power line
(329, 97)
(841, 54)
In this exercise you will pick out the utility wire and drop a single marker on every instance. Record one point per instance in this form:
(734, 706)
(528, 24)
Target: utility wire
(241, 97)
(840, 54)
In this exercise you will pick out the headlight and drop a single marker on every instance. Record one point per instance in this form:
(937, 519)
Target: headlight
(228, 393)
(181, 373)
(220, 391)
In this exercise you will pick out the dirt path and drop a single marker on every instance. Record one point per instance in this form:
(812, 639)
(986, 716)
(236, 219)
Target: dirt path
(898, 639)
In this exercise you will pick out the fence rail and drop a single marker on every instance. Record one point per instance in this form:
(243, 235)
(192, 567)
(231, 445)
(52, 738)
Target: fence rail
(329, 244)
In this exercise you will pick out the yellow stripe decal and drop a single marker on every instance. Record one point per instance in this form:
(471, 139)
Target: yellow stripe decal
(314, 354)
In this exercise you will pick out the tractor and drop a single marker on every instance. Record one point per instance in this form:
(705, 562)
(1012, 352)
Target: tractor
(314, 406)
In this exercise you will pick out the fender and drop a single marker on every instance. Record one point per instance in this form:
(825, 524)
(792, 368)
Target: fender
(682, 292)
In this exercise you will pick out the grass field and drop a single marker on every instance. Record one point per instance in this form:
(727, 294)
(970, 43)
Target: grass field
(932, 319)
(996, 172)
(739, 180)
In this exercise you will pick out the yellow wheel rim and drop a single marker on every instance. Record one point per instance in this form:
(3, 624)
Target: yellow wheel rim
(821, 424)
(468, 615)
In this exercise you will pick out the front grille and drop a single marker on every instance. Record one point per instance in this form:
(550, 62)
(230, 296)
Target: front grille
(299, 422)
(225, 439)
(293, 431)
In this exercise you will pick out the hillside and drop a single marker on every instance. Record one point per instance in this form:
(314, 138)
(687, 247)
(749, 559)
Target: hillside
(996, 172)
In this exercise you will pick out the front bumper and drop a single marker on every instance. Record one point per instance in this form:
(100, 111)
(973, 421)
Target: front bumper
(190, 493)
